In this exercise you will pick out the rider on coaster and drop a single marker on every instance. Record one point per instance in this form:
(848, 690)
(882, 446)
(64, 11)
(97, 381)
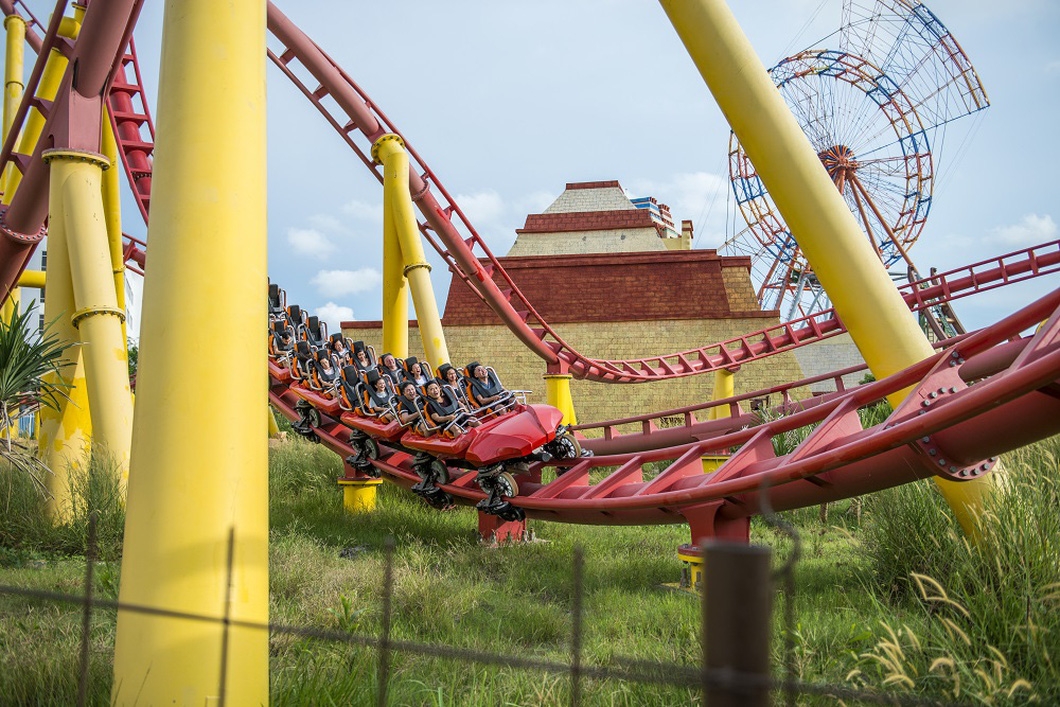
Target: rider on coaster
(444, 408)
(450, 376)
(389, 366)
(379, 398)
(408, 409)
(327, 375)
(486, 389)
(339, 350)
(415, 371)
(360, 357)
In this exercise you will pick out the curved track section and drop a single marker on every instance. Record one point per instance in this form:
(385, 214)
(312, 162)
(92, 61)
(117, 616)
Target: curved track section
(947, 427)
(362, 122)
(445, 226)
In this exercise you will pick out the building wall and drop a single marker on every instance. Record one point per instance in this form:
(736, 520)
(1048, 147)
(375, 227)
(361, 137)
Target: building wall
(520, 369)
(630, 240)
(830, 355)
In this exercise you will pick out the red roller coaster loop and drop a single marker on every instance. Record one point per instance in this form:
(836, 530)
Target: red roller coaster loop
(938, 431)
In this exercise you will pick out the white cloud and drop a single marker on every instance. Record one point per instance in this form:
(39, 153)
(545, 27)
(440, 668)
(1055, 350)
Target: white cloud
(364, 211)
(334, 315)
(310, 242)
(484, 207)
(337, 283)
(1053, 67)
(688, 194)
(327, 222)
(1031, 230)
(696, 196)
(532, 203)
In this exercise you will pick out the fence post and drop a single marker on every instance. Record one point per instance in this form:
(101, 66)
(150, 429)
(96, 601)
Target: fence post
(737, 624)
(577, 628)
(384, 638)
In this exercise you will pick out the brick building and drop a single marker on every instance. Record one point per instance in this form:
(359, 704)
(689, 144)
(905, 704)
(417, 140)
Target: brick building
(615, 279)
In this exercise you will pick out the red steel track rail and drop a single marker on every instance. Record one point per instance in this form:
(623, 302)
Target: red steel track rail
(359, 122)
(946, 427)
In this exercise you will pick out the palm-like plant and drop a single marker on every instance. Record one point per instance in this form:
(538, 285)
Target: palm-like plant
(27, 356)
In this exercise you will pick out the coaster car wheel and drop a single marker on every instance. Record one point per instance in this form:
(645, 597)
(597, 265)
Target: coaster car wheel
(439, 471)
(565, 446)
(506, 485)
(371, 448)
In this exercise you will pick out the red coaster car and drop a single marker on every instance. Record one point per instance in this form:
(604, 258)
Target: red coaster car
(514, 435)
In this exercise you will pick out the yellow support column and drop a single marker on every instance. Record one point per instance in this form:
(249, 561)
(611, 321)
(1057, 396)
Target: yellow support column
(13, 89)
(389, 151)
(395, 289)
(76, 200)
(51, 78)
(65, 434)
(828, 234)
(359, 495)
(724, 387)
(13, 67)
(200, 475)
(13, 85)
(112, 214)
(557, 394)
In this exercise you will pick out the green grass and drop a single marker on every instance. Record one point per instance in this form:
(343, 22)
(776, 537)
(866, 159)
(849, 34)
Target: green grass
(862, 619)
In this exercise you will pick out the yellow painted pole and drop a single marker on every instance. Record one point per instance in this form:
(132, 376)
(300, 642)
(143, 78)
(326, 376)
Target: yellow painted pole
(11, 305)
(828, 234)
(76, 199)
(199, 473)
(557, 394)
(13, 67)
(32, 278)
(50, 80)
(13, 89)
(395, 289)
(274, 427)
(112, 214)
(13, 85)
(389, 151)
(65, 435)
(724, 387)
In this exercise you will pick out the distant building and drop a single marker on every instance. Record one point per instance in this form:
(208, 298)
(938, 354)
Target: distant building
(617, 280)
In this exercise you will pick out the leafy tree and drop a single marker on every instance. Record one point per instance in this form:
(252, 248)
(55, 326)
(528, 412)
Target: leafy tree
(27, 356)
(134, 358)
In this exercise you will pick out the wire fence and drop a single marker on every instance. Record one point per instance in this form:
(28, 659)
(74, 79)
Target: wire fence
(744, 598)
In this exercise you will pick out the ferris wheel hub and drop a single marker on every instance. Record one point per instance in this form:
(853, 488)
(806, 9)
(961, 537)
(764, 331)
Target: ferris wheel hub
(839, 160)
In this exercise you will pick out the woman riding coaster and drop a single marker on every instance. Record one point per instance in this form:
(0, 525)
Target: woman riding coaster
(379, 397)
(446, 411)
(361, 359)
(340, 352)
(327, 375)
(415, 371)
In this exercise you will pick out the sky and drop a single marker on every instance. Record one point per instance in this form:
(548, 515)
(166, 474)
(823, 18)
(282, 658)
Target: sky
(508, 101)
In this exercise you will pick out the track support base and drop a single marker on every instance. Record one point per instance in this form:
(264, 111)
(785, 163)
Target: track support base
(359, 495)
(494, 529)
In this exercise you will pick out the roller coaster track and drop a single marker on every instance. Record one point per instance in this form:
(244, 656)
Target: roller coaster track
(986, 393)
(362, 122)
(946, 427)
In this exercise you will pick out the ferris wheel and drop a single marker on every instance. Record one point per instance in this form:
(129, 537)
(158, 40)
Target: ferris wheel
(875, 109)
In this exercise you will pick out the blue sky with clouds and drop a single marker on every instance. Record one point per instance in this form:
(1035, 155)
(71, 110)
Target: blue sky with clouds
(508, 101)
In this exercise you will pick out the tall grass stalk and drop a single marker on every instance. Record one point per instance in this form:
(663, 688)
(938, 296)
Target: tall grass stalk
(992, 606)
